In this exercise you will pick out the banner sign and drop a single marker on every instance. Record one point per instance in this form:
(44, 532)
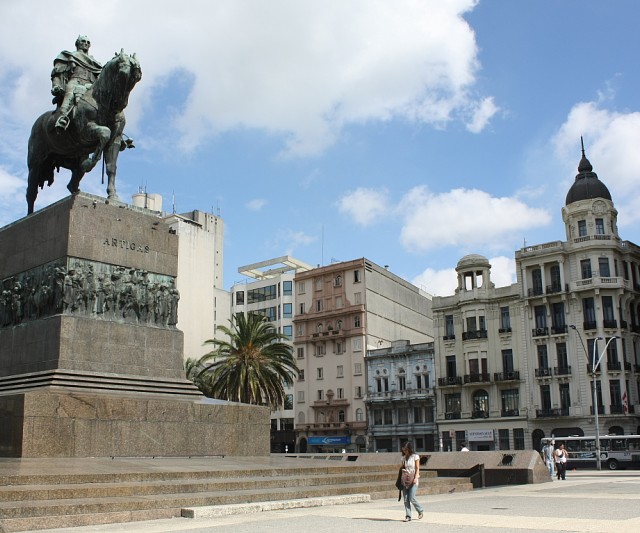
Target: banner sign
(320, 441)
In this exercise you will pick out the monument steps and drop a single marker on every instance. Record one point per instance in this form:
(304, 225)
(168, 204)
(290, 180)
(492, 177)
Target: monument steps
(33, 502)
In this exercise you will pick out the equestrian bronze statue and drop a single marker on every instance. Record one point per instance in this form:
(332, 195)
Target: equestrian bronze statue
(88, 122)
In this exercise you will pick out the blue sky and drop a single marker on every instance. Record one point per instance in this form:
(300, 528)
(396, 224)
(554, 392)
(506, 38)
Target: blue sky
(408, 132)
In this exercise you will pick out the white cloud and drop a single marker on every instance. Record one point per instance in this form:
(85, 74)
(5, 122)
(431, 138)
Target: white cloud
(464, 218)
(256, 204)
(364, 205)
(482, 113)
(611, 140)
(300, 69)
(444, 282)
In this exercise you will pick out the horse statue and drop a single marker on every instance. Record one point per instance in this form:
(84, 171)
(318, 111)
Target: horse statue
(96, 127)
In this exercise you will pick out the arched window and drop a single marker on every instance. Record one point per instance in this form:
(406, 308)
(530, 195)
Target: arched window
(301, 418)
(616, 430)
(339, 325)
(319, 327)
(359, 415)
(320, 417)
(480, 404)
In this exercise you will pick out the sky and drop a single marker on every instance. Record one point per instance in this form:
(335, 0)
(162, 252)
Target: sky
(409, 132)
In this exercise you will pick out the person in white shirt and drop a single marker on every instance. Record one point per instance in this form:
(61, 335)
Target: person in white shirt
(410, 477)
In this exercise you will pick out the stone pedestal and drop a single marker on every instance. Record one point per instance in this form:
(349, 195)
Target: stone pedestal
(91, 362)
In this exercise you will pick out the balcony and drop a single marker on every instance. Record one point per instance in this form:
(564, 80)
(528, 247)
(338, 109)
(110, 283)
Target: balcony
(562, 370)
(555, 288)
(471, 335)
(635, 329)
(540, 332)
(589, 325)
(449, 338)
(399, 395)
(614, 366)
(590, 369)
(543, 372)
(479, 414)
(558, 330)
(610, 324)
(454, 415)
(536, 291)
(477, 378)
(616, 409)
(504, 330)
(506, 376)
(552, 413)
(600, 409)
(509, 412)
(627, 366)
(449, 381)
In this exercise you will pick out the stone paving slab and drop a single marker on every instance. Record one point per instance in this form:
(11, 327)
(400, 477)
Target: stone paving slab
(588, 501)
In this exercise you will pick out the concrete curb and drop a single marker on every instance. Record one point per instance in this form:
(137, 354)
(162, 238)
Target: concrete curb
(258, 507)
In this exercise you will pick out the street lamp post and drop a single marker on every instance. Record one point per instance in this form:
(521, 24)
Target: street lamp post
(594, 367)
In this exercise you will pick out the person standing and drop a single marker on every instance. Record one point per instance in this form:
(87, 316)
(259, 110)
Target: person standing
(548, 457)
(464, 447)
(561, 462)
(410, 477)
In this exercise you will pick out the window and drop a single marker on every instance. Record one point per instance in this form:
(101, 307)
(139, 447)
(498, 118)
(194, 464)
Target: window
(403, 415)
(340, 393)
(357, 298)
(402, 383)
(320, 394)
(337, 282)
(543, 360)
(320, 373)
(359, 415)
(300, 396)
(338, 302)
(377, 417)
(300, 330)
(599, 226)
(321, 349)
(339, 325)
(582, 228)
(301, 308)
(545, 397)
(287, 423)
(505, 320)
(356, 321)
(503, 439)
(388, 417)
(301, 352)
(565, 397)
(288, 402)
(603, 266)
(357, 369)
(383, 384)
(339, 347)
(417, 415)
(287, 310)
(288, 331)
(261, 294)
(318, 284)
(452, 403)
(536, 278)
(507, 361)
(356, 276)
(518, 438)
(240, 298)
(612, 353)
(318, 305)
(340, 416)
(540, 313)
(510, 399)
(301, 374)
(340, 371)
(607, 311)
(557, 317)
(585, 268)
(562, 356)
(448, 326)
(556, 284)
(357, 392)
(614, 393)
(357, 344)
(301, 287)
(589, 312)
(471, 323)
(480, 404)
(451, 366)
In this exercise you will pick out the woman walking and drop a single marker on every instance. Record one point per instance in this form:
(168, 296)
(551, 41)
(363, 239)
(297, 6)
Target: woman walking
(410, 477)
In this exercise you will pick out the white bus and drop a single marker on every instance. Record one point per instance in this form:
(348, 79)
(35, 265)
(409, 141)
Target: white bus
(616, 451)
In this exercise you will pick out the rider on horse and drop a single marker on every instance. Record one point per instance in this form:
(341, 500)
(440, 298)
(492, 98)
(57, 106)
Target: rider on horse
(73, 74)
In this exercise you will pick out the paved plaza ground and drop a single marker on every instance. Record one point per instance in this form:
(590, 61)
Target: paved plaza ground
(588, 501)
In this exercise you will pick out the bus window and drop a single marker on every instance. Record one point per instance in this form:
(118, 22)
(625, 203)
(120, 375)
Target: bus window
(618, 445)
(634, 444)
(604, 445)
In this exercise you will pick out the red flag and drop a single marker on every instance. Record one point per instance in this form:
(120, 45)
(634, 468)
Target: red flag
(625, 403)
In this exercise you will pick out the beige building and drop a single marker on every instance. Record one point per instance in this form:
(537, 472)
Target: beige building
(342, 310)
(514, 364)
(269, 291)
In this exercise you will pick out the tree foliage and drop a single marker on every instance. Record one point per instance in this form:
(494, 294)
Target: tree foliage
(253, 366)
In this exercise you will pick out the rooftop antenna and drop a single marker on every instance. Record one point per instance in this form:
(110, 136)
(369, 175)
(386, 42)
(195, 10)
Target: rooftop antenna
(322, 248)
(582, 145)
(173, 201)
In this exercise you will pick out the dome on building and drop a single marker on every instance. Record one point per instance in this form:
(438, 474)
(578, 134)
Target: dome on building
(587, 185)
(473, 260)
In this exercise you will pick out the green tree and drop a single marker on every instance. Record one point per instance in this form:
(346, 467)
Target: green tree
(253, 366)
(193, 369)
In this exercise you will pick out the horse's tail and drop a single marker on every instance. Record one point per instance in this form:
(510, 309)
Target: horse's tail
(38, 163)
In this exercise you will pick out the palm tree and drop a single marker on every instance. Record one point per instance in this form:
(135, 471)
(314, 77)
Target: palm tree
(193, 369)
(253, 366)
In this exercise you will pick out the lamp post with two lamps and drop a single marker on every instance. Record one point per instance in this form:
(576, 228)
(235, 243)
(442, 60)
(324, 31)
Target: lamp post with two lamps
(594, 367)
